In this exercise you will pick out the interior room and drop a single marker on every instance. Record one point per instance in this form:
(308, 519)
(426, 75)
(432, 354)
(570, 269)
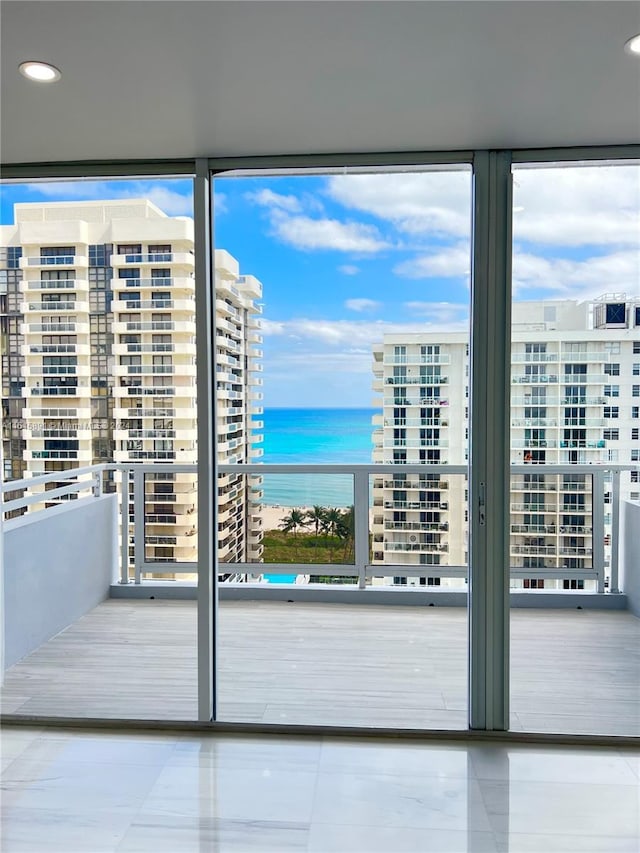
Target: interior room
(327, 540)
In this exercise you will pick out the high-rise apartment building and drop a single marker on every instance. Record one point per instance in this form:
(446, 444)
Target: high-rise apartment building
(575, 382)
(99, 361)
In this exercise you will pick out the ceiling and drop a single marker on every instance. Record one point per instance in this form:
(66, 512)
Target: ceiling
(147, 80)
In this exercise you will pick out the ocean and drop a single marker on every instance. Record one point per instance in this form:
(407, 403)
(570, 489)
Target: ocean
(315, 436)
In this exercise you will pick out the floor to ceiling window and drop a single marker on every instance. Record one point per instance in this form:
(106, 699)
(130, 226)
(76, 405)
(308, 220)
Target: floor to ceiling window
(98, 377)
(575, 350)
(348, 307)
(350, 366)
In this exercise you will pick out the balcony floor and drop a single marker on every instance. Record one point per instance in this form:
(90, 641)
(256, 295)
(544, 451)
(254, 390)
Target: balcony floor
(327, 664)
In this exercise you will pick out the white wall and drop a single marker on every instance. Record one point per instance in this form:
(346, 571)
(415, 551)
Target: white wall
(58, 565)
(630, 554)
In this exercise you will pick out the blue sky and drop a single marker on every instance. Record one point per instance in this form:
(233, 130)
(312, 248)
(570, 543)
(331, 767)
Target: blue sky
(345, 257)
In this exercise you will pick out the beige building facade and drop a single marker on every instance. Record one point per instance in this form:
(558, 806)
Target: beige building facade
(99, 361)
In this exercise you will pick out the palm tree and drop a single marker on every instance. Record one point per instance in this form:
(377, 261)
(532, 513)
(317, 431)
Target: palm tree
(346, 529)
(293, 521)
(316, 516)
(330, 525)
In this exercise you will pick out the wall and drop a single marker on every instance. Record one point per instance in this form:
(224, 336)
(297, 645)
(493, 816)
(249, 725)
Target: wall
(58, 565)
(630, 554)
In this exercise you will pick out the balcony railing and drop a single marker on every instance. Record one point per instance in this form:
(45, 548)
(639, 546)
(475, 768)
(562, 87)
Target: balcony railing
(417, 380)
(590, 555)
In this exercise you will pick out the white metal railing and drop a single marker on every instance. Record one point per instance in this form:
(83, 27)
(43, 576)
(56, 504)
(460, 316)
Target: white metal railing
(601, 480)
(417, 380)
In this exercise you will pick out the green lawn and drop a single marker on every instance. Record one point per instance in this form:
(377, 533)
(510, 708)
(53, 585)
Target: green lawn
(280, 547)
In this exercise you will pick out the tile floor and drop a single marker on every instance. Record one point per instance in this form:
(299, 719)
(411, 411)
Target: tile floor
(78, 791)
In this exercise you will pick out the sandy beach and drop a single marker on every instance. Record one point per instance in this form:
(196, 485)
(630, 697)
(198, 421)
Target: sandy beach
(273, 515)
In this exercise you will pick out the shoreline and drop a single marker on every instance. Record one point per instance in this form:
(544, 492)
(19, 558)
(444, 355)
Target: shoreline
(273, 514)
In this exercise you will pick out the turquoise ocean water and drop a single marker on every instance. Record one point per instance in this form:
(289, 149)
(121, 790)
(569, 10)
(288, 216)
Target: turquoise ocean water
(315, 436)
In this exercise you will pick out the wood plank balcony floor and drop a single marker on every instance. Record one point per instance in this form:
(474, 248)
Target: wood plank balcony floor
(331, 664)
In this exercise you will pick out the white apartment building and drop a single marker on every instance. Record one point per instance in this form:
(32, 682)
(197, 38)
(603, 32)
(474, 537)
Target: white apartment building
(99, 361)
(575, 399)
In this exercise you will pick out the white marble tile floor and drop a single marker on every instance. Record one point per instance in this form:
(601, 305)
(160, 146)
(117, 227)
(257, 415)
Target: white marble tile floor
(89, 791)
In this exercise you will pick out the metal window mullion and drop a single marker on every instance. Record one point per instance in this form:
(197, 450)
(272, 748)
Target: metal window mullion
(598, 489)
(124, 528)
(138, 523)
(207, 476)
(489, 443)
(614, 581)
(361, 526)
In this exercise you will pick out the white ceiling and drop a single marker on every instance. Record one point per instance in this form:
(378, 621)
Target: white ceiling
(181, 79)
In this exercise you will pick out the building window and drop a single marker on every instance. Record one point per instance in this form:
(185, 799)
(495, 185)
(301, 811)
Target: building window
(100, 255)
(636, 344)
(615, 313)
(635, 434)
(635, 390)
(635, 476)
(611, 390)
(57, 251)
(611, 434)
(14, 253)
(533, 583)
(635, 455)
(611, 412)
(573, 583)
(612, 369)
(635, 411)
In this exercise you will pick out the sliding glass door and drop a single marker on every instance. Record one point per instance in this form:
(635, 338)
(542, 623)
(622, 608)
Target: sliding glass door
(342, 415)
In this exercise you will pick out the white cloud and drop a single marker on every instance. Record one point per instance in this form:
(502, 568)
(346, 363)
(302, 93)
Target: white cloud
(579, 279)
(267, 198)
(170, 201)
(220, 204)
(271, 327)
(362, 304)
(64, 190)
(306, 233)
(577, 206)
(441, 313)
(359, 334)
(570, 205)
(321, 362)
(437, 203)
(349, 269)
(449, 262)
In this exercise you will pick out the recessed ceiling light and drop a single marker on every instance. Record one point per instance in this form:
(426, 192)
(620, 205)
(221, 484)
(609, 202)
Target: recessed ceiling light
(633, 45)
(41, 72)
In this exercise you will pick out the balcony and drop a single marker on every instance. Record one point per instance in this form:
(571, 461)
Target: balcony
(61, 326)
(72, 305)
(535, 379)
(122, 327)
(127, 618)
(175, 283)
(417, 380)
(534, 357)
(178, 258)
(47, 261)
(417, 359)
(56, 284)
